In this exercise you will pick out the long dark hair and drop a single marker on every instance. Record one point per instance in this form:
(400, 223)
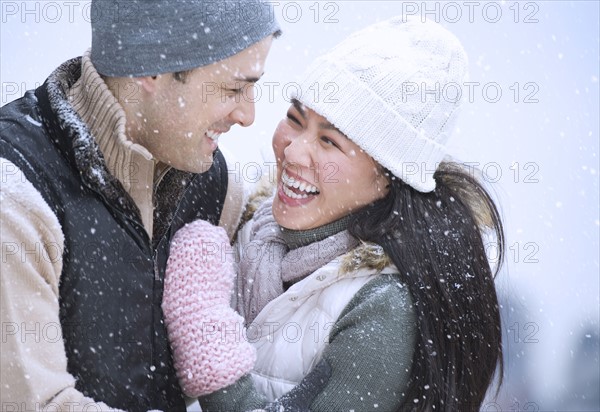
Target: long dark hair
(436, 240)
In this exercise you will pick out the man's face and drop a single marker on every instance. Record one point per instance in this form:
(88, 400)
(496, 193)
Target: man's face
(180, 122)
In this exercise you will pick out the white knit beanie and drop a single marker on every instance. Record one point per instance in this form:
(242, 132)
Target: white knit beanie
(394, 89)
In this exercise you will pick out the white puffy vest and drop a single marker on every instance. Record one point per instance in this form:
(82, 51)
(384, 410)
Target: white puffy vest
(291, 331)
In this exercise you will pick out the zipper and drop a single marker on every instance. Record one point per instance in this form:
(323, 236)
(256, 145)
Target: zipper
(175, 213)
(157, 181)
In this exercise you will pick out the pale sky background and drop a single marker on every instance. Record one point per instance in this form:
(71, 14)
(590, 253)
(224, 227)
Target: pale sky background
(539, 148)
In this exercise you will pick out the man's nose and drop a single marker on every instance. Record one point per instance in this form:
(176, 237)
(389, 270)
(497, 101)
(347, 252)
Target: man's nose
(244, 112)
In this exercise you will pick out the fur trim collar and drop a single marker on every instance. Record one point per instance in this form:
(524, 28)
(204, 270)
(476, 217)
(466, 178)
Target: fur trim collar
(366, 255)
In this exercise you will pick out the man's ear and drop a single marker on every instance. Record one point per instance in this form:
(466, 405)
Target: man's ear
(150, 84)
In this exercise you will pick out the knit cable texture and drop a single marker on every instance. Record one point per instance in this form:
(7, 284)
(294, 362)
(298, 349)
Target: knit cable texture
(206, 335)
(393, 88)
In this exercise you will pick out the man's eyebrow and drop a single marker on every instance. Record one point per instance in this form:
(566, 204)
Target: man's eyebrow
(298, 106)
(248, 79)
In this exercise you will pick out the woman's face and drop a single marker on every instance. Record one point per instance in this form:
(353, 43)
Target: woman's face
(322, 175)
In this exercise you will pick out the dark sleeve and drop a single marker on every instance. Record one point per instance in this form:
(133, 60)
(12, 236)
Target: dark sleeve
(241, 396)
(370, 350)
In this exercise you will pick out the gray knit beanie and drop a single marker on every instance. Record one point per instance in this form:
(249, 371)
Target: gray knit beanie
(144, 38)
(394, 88)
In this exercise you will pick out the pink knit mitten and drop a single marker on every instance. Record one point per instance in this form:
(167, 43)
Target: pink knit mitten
(206, 334)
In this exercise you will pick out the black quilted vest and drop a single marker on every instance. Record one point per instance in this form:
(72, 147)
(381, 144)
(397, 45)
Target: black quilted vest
(112, 280)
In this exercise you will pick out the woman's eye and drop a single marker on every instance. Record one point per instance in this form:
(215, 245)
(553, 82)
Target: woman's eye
(293, 119)
(329, 142)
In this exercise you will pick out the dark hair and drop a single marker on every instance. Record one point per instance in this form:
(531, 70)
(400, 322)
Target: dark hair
(436, 241)
(182, 76)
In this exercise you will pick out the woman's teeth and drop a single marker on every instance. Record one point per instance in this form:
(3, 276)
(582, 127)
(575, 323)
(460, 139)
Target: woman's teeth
(213, 135)
(290, 183)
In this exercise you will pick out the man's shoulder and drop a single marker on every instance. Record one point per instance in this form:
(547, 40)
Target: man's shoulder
(22, 111)
(23, 117)
(22, 133)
